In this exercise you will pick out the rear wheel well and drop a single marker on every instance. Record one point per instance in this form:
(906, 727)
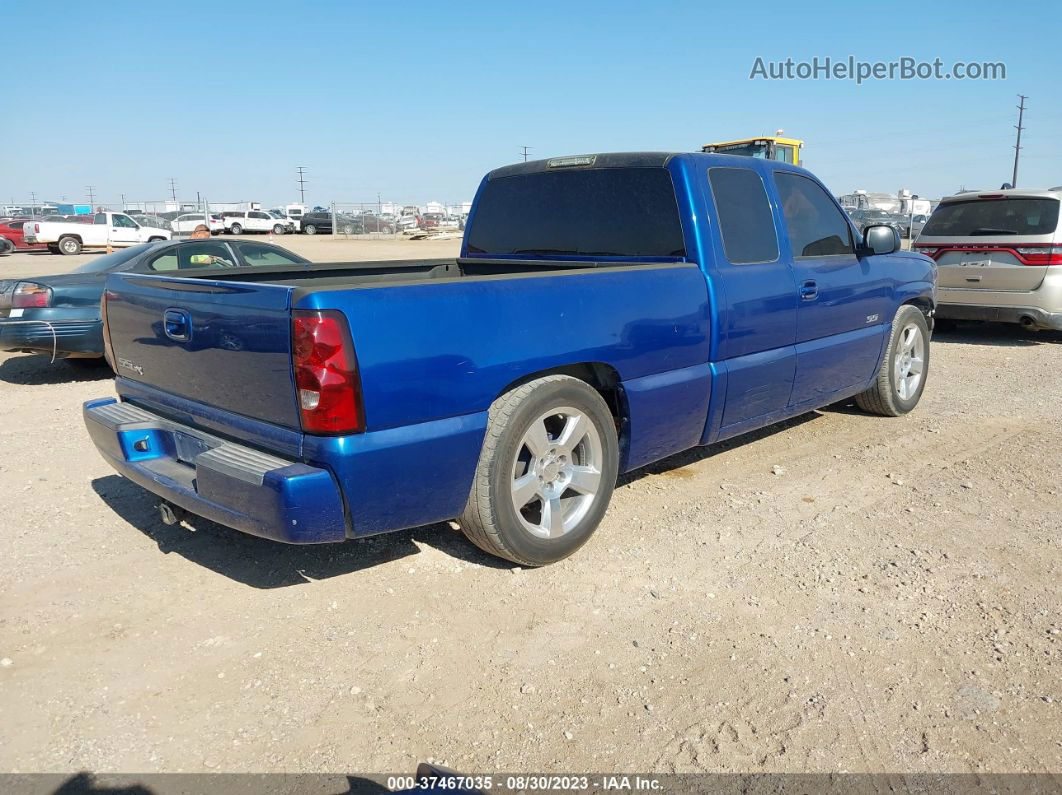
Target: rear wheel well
(605, 380)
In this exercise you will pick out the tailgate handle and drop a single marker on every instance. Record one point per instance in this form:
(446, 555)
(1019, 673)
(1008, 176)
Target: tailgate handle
(177, 324)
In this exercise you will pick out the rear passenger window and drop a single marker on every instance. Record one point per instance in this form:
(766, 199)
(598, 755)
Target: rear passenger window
(261, 254)
(745, 219)
(164, 262)
(817, 228)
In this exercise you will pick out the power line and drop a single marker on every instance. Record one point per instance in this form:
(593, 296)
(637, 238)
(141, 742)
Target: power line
(302, 185)
(1017, 144)
(525, 148)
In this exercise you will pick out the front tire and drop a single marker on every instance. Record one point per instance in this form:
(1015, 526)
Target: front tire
(903, 372)
(69, 246)
(546, 472)
(278, 230)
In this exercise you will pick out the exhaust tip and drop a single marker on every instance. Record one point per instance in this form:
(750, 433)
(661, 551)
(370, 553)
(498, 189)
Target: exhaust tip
(168, 514)
(1027, 322)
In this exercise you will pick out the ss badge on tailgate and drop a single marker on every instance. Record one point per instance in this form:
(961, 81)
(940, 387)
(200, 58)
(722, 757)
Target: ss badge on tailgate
(128, 365)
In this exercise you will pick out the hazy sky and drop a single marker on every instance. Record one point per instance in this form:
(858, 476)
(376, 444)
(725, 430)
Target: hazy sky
(417, 100)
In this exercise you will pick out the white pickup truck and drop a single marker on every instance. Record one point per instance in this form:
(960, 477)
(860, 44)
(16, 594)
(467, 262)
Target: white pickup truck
(239, 221)
(116, 230)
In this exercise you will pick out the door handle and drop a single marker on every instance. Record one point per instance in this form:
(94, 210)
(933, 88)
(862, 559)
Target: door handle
(176, 324)
(809, 291)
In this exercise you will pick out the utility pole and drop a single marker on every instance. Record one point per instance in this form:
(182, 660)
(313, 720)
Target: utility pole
(91, 195)
(525, 148)
(302, 184)
(33, 202)
(173, 192)
(1017, 144)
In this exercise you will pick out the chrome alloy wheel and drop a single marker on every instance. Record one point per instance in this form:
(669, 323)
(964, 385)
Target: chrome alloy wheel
(909, 361)
(557, 472)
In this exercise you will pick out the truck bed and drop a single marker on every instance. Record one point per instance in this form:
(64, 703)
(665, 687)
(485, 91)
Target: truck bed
(332, 275)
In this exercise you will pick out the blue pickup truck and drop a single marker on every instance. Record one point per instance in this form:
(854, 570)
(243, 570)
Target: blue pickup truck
(606, 311)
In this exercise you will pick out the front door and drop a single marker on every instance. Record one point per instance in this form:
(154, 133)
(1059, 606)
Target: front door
(260, 222)
(843, 299)
(125, 231)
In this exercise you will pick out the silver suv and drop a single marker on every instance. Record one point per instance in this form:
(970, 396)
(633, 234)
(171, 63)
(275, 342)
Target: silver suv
(999, 257)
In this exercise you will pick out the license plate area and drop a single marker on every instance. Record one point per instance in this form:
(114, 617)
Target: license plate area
(975, 263)
(189, 447)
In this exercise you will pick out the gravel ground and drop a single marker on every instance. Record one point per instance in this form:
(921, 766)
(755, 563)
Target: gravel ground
(837, 593)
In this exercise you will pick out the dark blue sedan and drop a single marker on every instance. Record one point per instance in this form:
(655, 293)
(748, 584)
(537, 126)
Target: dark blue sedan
(60, 315)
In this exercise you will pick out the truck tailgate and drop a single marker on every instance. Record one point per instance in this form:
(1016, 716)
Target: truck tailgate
(224, 344)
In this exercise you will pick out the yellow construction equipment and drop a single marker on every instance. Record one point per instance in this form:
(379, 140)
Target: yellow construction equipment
(766, 147)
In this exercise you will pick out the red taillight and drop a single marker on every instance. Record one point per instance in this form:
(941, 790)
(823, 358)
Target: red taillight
(31, 296)
(36, 229)
(326, 373)
(1039, 255)
(1027, 254)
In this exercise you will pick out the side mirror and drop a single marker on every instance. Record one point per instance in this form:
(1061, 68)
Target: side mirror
(881, 239)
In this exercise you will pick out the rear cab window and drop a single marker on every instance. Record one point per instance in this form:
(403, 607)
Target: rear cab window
(628, 212)
(746, 223)
(994, 217)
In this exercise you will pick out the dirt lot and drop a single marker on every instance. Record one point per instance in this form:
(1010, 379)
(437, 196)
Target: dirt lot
(886, 599)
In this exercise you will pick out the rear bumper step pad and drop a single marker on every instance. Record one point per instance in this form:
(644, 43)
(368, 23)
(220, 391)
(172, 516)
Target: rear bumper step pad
(225, 482)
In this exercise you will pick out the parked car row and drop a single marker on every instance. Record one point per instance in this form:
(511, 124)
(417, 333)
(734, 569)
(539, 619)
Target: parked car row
(66, 307)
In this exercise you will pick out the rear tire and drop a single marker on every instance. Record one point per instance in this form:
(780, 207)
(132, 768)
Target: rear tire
(310, 229)
(236, 229)
(70, 246)
(903, 372)
(546, 472)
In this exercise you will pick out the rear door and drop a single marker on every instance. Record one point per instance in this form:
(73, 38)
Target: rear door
(843, 299)
(984, 243)
(222, 344)
(758, 316)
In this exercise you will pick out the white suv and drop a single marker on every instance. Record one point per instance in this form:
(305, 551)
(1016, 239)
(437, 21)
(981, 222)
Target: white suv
(999, 257)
